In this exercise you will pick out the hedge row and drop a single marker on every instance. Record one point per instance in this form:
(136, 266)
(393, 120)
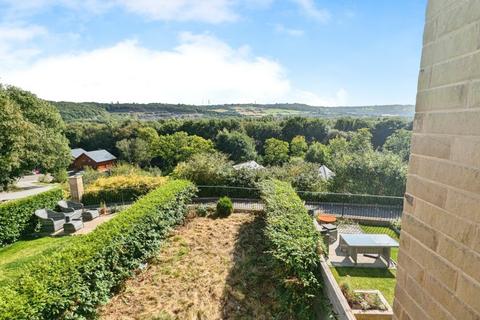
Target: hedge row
(17, 216)
(120, 189)
(295, 246)
(71, 283)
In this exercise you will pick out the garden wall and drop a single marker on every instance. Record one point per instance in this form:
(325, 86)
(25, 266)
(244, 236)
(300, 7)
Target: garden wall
(17, 217)
(439, 258)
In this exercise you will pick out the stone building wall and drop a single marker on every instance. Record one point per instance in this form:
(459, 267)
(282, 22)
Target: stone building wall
(439, 261)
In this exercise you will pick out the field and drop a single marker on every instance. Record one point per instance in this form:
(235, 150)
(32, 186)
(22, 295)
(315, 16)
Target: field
(209, 269)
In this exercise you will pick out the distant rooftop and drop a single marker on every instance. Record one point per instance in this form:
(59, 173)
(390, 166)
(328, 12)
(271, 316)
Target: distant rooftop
(252, 165)
(77, 152)
(325, 172)
(100, 155)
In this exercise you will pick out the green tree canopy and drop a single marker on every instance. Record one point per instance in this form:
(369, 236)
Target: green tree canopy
(399, 143)
(276, 152)
(318, 153)
(32, 135)
(172, 149)
(298, 147)
(239, 146)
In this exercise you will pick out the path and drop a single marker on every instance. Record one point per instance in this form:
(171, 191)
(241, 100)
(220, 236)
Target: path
(29, 187)
(209, 269)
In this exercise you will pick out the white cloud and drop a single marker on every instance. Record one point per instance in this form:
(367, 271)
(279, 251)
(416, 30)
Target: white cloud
(212, 11)
(16, 47)
(310, 9)
(199, 69)
(289, 31)
(209, 11)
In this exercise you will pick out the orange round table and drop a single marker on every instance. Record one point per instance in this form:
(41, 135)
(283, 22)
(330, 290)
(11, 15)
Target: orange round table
(326, 218)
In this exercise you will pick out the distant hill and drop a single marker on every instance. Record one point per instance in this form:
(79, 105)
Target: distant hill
(72, 111)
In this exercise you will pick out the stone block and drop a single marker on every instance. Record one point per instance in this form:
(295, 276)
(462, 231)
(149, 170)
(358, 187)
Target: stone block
(468, 291)
(427, 190)
(450, 97)
(432, 145)
(466, 151)
(465, 205)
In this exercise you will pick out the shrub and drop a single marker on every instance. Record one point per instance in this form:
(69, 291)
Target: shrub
(202, 210)
(70, 283)
(224, 207)
(294, 245)
(60, 176)
(17, 216)
(119, 189)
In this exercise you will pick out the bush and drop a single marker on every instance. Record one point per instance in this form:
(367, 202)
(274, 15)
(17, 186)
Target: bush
(60, 176)
(202, 210)
(70, 283)
(224, 207)
(120, 189)
(17, 216)
(294, 245)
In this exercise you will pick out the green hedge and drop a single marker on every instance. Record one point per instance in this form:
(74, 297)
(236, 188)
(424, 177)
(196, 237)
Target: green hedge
(295, 246)
(17, 216)
(71, 283)
(123, 195)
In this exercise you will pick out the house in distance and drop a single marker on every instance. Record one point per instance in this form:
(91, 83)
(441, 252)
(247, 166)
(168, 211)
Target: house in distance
(100, 160)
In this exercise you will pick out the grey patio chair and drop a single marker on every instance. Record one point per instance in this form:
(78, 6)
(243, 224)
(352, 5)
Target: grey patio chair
(78, 210)
(71, 208)
(51, 221)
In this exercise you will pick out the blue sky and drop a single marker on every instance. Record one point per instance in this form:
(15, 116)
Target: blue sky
(342, 52)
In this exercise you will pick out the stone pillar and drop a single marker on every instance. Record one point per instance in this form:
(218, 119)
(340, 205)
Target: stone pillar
(438, 274)
(76, 187)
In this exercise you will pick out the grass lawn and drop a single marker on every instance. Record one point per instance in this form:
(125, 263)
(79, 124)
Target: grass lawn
(13, 257)
(371, 278)
(368, 278)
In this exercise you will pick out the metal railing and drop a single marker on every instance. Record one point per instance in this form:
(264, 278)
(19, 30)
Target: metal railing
(350, 206)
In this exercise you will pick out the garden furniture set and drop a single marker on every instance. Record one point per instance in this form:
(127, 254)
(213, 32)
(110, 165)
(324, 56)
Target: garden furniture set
(70, 217)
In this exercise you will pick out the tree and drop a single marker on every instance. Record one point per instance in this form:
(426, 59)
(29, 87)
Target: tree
(276, 151)
(399, 144)
(32, 135)
(375, 173)
(12, 143)
(384, 128)
(298, 147)
(351, 124)
(237, 145)
(135, 151)
(312, 129)
(317, 153)
(210, 169)
(360, 141)
(169, 150)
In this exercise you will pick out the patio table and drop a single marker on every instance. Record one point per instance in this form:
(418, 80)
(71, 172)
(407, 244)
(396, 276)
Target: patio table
(380, 244)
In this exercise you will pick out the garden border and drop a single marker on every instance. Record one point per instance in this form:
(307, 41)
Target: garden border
(334, 293)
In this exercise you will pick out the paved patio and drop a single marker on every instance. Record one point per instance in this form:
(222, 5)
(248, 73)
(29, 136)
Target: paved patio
(88, 226)
(337, 258)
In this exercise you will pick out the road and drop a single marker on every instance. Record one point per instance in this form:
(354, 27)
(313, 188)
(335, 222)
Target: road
(28, 186)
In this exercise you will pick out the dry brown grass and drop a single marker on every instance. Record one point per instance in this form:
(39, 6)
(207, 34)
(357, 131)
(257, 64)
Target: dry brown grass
(209, 269)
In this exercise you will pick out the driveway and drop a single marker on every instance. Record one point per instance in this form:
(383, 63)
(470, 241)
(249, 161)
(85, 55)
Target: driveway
(28, 186)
